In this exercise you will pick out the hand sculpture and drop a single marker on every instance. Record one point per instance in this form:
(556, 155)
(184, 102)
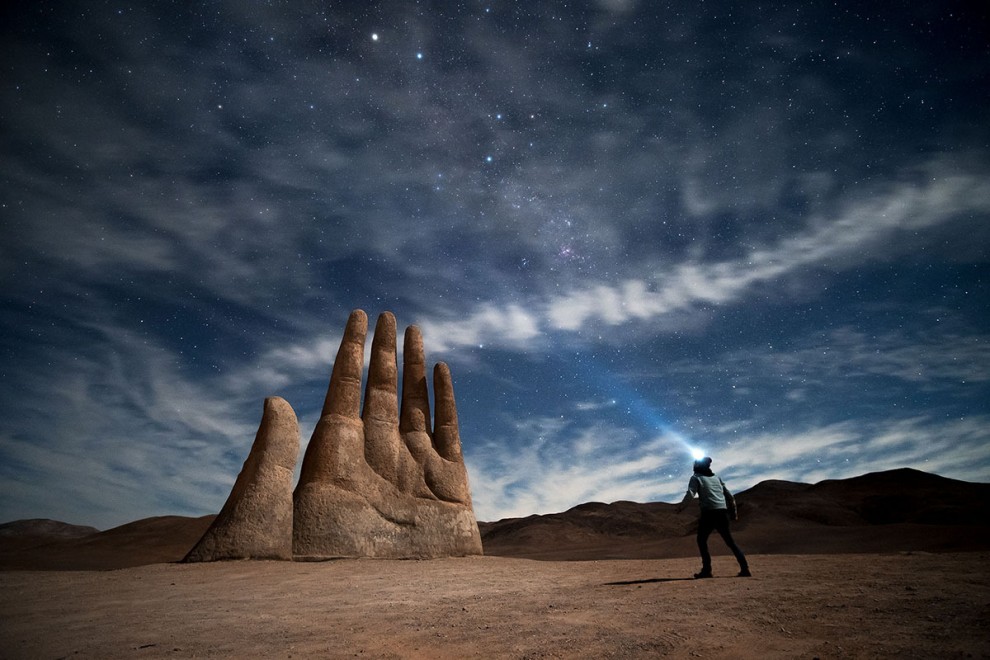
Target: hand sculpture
(381, 484)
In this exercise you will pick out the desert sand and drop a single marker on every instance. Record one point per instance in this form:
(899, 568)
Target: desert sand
(913, 605)
(891, 564)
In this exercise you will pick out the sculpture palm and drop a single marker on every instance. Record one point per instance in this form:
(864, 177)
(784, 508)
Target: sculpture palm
(381, 483)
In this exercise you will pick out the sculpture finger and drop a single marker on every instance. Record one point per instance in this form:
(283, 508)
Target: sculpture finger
(415, 415)
(446, 435)
(335, 452)
(381, 398)
(382, 444)
(344, 394)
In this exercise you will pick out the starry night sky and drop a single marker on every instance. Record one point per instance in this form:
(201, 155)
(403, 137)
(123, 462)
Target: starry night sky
(629, 227)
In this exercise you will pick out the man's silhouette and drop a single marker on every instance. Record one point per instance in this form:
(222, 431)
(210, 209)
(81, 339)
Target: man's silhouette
(717, 505)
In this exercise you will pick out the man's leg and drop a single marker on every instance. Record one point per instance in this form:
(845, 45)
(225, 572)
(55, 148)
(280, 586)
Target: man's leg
(722, 525)
(704, 531)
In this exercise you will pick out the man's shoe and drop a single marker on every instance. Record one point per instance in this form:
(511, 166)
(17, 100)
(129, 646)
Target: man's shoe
(702, 574)
(745, 573)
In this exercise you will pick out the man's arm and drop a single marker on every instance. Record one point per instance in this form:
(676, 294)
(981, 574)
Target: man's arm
(730, 503)
(692, 491)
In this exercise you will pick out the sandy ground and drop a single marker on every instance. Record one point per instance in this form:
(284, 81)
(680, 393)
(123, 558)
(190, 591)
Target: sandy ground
(827, 606)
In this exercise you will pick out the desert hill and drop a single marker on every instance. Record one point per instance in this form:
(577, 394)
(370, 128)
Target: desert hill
(897, 510)
(149, 541)
(42, 530)
(20, 535)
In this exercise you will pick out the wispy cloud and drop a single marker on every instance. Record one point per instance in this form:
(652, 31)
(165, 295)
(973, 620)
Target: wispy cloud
(551, 464)
(952, 448)
(947, 357)
(126, 433)
(565, 466)
(862, 232)
(512, 326)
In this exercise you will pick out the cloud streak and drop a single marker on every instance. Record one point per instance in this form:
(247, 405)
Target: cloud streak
(863, 232)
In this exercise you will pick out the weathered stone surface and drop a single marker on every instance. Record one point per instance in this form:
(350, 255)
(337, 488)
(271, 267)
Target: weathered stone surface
(256, 520)
(382, 483)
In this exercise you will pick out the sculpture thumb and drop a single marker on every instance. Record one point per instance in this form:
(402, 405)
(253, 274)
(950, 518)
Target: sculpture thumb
(256, 520)
(446, 434)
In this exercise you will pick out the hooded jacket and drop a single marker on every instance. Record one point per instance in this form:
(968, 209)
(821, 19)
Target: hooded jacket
(710, 490)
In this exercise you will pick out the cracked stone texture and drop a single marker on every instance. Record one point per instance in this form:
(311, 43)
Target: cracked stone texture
(383, 483)
(256, 520)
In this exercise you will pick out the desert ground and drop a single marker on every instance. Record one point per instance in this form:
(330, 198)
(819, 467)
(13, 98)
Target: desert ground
(891, 564)
(908, 605)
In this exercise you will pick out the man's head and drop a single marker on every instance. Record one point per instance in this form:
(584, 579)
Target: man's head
(703, 465)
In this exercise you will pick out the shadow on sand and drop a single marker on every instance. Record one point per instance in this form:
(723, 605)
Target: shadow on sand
(647, 581)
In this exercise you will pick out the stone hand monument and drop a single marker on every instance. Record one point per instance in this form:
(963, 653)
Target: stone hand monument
(381, 482)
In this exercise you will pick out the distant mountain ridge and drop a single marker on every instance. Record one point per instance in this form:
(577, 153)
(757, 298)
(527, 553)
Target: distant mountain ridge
(33, 532)
(160, 539)
(44, 528)
(895, 510)
(895, 496)
(902, 510)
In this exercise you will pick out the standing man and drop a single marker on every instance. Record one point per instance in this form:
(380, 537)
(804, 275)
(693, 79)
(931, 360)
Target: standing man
(717, 504)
